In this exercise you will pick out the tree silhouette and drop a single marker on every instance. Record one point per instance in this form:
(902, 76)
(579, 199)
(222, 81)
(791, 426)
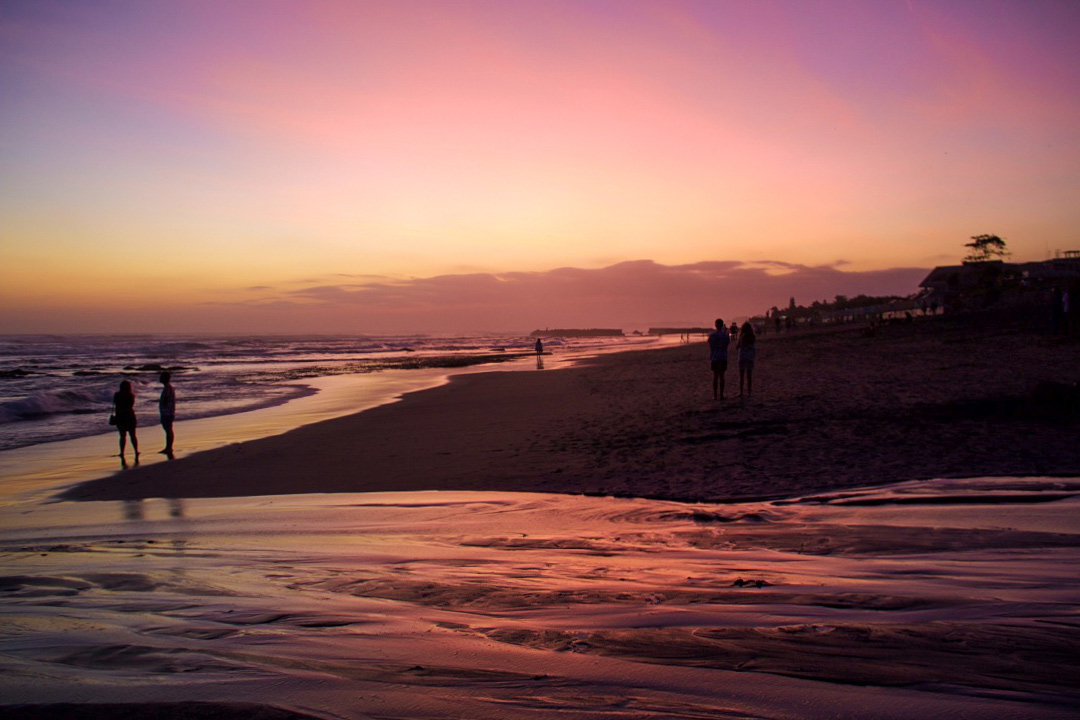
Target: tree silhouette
(986, 247)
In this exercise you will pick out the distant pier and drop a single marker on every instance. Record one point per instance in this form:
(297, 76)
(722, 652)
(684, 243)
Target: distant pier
(577, 332)
(681, 331)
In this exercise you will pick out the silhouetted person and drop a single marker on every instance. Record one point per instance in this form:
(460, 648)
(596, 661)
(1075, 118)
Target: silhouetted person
(719, 342)
(1068, 309)
(747, 351)
(124, 410)
(1057, 313)
(167, 409)
(539, 347)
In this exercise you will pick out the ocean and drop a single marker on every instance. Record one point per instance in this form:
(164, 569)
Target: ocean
(60, 387)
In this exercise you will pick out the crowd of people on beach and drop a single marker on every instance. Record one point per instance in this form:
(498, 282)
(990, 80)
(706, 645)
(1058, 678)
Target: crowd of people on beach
(746, 350)
(124, 419)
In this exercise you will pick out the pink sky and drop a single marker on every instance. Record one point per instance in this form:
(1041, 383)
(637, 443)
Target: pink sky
(443, 166)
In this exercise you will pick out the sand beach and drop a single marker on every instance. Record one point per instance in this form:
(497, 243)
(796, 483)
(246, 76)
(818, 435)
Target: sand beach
(887, 528)
(830, 409)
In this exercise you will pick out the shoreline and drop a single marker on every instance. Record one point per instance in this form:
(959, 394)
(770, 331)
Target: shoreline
(65, 396)
(49, 467)
(832, 409)
(39, 471)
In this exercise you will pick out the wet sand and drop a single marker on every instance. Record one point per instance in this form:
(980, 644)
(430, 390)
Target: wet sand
(786, 557)
(926, 599)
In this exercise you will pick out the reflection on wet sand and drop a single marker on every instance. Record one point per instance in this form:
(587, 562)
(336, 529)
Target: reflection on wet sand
(868, 603)
(135, 510)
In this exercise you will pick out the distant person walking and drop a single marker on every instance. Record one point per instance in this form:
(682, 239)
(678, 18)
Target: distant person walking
(1057, 310)
(747, 346)
(124, 411)
(167, 409)
(1068, 309)
(719, 342)
(539, 347)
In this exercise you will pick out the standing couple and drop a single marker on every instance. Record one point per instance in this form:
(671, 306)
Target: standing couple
(719, 342)
(126, 422)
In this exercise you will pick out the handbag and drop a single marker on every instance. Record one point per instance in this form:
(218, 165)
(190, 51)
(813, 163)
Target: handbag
(112, 419)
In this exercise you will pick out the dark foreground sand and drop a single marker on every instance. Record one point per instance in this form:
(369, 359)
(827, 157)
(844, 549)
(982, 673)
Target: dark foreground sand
(936, 398)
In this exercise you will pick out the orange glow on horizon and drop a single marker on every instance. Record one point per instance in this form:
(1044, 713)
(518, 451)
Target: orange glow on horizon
(207, 149)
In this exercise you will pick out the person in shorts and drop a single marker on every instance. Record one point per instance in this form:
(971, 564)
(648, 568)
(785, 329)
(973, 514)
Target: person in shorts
(126, 422)
(719, 342)
(167, 410)
(747, 346)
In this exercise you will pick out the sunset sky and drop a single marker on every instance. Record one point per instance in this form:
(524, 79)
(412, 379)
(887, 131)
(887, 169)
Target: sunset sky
(460, 165)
